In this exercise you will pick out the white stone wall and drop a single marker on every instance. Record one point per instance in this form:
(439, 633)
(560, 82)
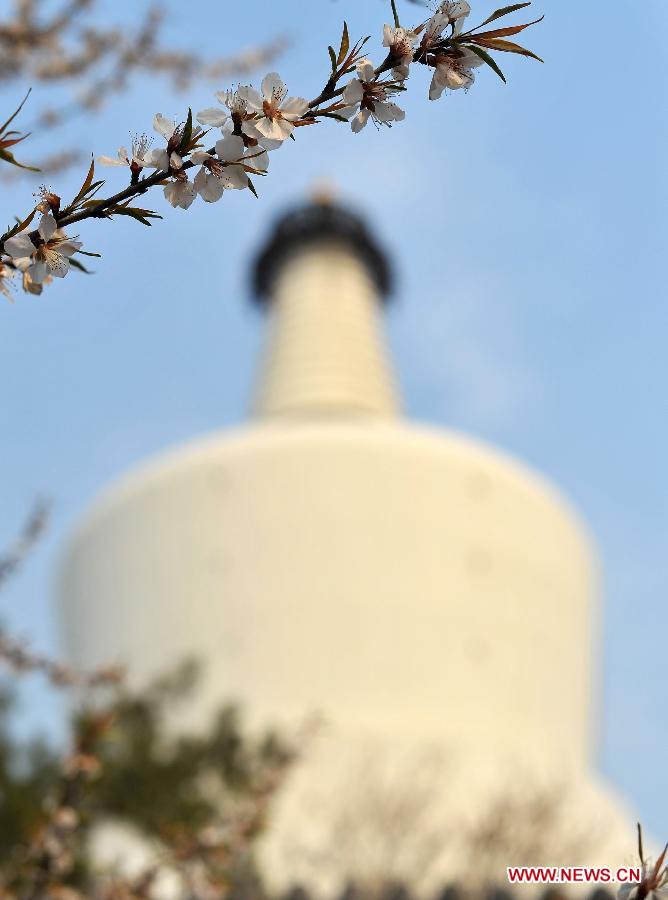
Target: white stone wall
(403, 581)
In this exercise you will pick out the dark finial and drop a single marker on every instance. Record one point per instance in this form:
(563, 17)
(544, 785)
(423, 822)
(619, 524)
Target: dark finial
(321, 221)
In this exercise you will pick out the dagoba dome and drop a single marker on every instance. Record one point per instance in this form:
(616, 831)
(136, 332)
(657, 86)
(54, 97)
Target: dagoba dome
(433, 599)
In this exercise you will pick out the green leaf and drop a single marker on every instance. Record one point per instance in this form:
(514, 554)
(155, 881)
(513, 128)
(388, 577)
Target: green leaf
(485, 57)
(80, 266)
(3, 127)
(252, 189)
(333, 115)
(9, 157)
(505, 11)
(187, 133)
(395, 13)
(345, 45)
(332, 56)
(88, 253)
(94, 188)
(140, 215)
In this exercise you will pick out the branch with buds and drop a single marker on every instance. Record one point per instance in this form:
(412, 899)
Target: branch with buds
(253, 124)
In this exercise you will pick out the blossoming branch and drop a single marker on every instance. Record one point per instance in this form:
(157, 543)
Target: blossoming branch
(252, 124)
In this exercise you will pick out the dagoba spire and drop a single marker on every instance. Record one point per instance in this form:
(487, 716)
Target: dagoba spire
(323, 278)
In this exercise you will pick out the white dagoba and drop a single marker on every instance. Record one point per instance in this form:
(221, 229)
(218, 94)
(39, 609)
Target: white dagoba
(433, 599)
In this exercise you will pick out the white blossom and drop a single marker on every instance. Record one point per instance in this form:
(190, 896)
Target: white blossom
(454, 71)
(237, 105)
(232, 164)
(401, 43)
(180, 192)
(448, 13)
(168, 158)
(365, 97)
(122, 159)
(50, 256)
(455, 10)
(232, 149)
(240, 118)
(140, 148)
(208, 185)
(274, 112)
(165, 126)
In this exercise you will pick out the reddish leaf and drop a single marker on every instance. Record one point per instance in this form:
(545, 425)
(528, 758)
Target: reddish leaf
(88, 180)
(345, 45)
(508, 47)
(506, 32)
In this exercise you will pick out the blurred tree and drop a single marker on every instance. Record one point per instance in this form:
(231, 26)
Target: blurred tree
(74, 49)
(191, 798)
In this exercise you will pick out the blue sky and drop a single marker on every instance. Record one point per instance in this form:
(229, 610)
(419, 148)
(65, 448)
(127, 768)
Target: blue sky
(527, 223)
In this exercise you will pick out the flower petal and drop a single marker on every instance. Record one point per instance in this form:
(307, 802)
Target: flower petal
(457, 10)
(273, 85)
(252, 98)
(268, 144)
(156, 159)
(274, 129)
(388, 112)
(180, 193)
(209, 187)
(353, 92)
(57, 265)
(437, 87)
(347, 111)
(365, 70)
(294, 107)
(257, 158)
(234, 178)
(19, 246)
(38, 271)
(224, 97)
(360, 120)
(114, 160)
(163, 125)
(67, 248)
(212, 116)
(230, 148)
(47, 227)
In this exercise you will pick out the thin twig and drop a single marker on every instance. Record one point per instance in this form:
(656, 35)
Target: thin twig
(33, 529)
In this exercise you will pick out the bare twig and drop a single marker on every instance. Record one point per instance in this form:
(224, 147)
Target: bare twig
(33, 529)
